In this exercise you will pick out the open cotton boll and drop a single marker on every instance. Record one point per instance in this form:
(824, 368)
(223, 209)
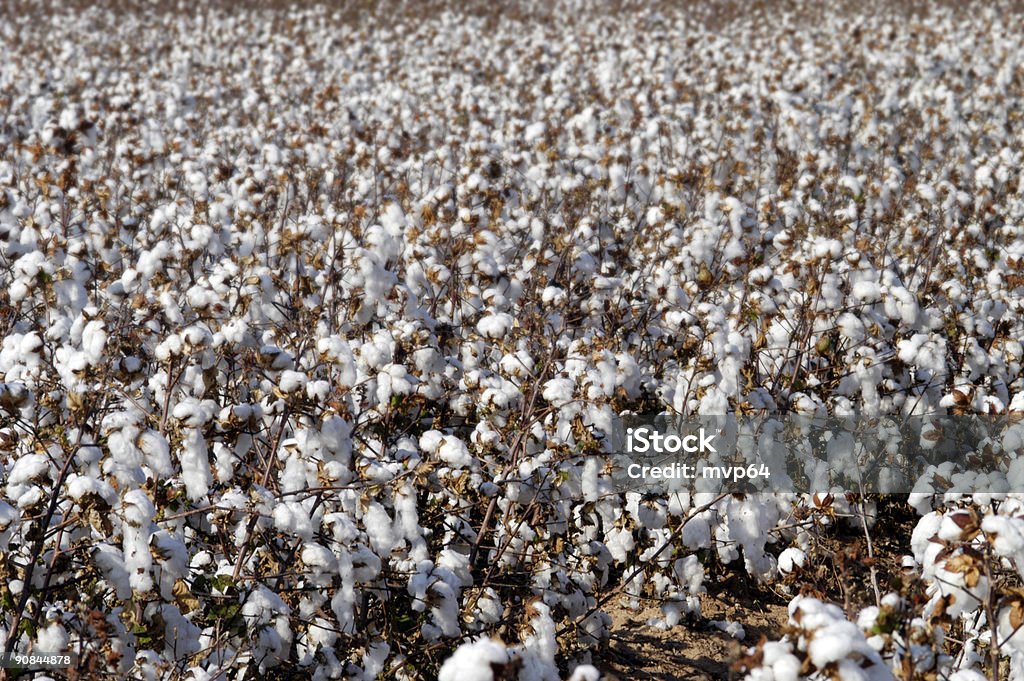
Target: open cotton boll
(27, 471)
(110, 560)
(266, 616)
(791, 560)
(733, 629)
(379, 529)
(537, 652)
(79, 487)
(52, 639)
(8, 523)
(586, 672)
(291, 517)
(292, 381)
(1006, 535)
(156, 453)
(137, 511)
(495, 326)
(454, 452)
(474, 661)
(559, 391)
(195, 464)
(866, 292)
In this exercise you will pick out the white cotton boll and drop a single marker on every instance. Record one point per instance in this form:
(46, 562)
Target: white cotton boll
(559, 391)
(1006, 535)
(454, 452)
(26, 470)
(318, 390)
(589, 479)
(733, 629)
(791, 560)
(138, 511)
(195, 464)
(968, 590)
(851, 327)
(379, 529)
(495, 326)
(171, 561)
(156, 453)
(926, 192)
(80, 486)
(125, 461)
(51, 639)
(620, 543)
(111, 563)
(926, 528)
(297, 473)
(319, 558)
(9, 517)
(472, 661)
(833, 642)
(539, 648)
(585, 672)
(291, 517)
(866, 291)
(696, 533)
(321, 633)
(431, 440)
(94, 340)
(195, 413)
(553, 296)
(489, 608)
(292, 381)
(534, 132)
(373, 660)
(1009, 634)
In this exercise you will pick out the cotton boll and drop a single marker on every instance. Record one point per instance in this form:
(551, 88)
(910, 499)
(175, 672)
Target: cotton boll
(265, 614)
(585, 672)
(51, 639)
(733, 629)
(291, 517)
(791, 560)
(137, 511)
(195, 464)
(473, 661)
(495, 326)
(959, 579)
(454, 452)
(379, 529)
(156, 453)
(171, 556)
(558, 391)
(27, 472)
(926, 528)
(539, 648)
(112, 565)
(866, 292)
(292, 381)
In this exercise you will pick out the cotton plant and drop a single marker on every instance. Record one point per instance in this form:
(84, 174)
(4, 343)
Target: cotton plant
(313, 330)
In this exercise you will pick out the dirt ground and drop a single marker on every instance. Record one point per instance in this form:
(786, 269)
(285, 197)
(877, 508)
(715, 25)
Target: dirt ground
(691, 651)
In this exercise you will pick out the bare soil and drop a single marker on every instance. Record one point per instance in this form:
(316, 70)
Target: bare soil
(691, 651)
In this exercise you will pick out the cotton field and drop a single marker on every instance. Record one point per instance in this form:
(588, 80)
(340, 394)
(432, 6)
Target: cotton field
(315, 321)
